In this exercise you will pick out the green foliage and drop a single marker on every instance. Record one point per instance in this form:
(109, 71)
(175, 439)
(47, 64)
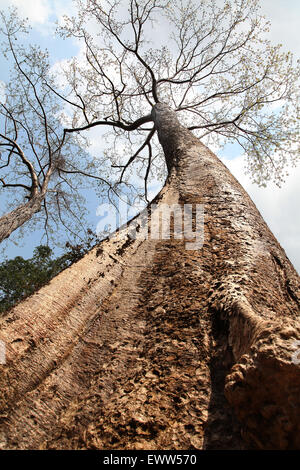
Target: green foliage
(21, 277)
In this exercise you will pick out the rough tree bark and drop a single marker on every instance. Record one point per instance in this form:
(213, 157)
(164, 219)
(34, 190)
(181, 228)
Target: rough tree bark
(144, 344)
(16, 218)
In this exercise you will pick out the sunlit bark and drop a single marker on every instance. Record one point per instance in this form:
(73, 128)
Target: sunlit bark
(133, 346)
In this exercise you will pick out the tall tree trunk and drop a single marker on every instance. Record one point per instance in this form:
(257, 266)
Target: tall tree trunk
(16, 218)
(145, 344)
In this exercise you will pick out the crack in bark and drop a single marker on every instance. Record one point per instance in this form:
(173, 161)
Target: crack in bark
(147, 368)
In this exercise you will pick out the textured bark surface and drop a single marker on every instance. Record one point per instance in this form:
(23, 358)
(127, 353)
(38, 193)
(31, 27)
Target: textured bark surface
(144, 344)
(16, 218)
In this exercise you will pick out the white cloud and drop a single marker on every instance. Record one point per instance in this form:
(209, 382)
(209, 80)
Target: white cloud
(278, 206)
(37, 11)
(284, 17)
(41, 14)
(61, 8)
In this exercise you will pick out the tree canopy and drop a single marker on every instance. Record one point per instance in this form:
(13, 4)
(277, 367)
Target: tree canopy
(21, 277)
(38, 159)
(211, 62)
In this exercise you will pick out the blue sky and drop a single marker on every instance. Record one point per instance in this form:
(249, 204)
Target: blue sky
(279, 206)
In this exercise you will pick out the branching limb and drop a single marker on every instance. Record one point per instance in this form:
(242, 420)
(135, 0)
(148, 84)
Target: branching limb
(133, 157)
(148, 170)
(117, 124)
